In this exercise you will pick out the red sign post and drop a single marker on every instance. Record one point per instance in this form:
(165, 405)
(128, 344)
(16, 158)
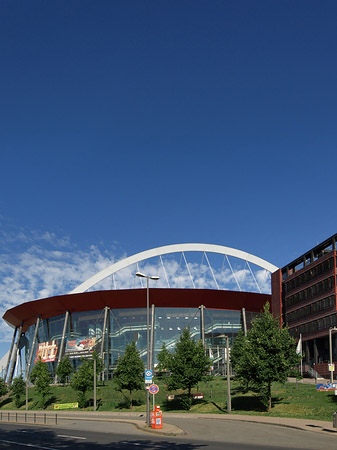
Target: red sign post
(156, 414)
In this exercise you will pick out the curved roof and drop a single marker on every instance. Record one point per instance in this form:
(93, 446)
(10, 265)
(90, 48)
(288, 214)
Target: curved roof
(175, 248)
(27, 312)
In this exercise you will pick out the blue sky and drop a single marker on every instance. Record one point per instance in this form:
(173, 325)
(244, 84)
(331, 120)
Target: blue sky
(126, 125)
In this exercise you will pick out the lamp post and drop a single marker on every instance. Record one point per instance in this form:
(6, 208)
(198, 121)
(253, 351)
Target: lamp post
(229, 401)
(330, 350)
(148, 363)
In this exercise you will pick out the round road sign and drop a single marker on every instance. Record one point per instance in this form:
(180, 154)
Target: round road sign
(154, 389)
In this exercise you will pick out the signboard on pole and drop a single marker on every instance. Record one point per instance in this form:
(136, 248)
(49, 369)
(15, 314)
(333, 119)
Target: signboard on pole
(331, 367)
(148, 376)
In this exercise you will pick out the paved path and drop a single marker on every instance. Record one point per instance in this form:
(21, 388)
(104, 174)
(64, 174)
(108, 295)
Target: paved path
(170, 420)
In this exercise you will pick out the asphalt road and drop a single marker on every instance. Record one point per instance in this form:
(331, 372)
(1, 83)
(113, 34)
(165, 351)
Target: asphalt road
(20, 437)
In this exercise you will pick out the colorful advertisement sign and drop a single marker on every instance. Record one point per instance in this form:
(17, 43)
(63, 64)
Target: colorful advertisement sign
(66, 405)
(326, 387)
(80, 347)
(47, 351)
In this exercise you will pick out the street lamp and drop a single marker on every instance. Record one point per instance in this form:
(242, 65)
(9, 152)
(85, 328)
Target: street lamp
(142, 275)
(330, 350)
(229, 401)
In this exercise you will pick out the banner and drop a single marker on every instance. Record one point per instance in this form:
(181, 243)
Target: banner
(80, 347)
(65, 405)
(47, 351)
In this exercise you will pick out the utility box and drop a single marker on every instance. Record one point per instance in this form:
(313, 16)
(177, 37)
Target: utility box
(156, 418)
(334, 420)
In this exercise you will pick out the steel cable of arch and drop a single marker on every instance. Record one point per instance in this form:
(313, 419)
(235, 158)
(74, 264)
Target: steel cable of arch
(174, 248)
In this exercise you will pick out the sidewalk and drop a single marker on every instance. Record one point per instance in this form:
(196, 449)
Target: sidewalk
(169, 429)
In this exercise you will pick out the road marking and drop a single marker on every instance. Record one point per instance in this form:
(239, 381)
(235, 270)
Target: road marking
(28, 445)
(72, 437)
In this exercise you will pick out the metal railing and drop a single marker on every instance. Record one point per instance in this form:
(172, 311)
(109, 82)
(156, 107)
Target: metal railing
(26, 417)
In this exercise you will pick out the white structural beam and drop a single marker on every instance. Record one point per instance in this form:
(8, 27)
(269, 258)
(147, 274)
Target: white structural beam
(167, 249)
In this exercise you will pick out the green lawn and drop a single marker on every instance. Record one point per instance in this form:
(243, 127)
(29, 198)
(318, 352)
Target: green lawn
(289, 400)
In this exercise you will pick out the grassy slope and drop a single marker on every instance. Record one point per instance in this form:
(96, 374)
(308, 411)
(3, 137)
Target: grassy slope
(289, 400)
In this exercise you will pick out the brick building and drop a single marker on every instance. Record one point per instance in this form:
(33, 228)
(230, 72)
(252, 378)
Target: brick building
(304, 295)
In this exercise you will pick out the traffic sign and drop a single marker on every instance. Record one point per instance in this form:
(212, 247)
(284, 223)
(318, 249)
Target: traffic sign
(154, 389)
(331, 367)
(148, 376)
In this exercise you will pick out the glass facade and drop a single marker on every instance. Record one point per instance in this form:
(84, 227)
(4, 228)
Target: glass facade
(84, 332)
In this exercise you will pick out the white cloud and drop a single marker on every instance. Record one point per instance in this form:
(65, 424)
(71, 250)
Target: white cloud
(40, 266)
(37, 265)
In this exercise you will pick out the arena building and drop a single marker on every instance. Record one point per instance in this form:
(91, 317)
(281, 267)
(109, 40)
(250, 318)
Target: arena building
(104, 314)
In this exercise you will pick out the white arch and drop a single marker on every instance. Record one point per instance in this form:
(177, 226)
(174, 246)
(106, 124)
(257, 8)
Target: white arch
(175, 248)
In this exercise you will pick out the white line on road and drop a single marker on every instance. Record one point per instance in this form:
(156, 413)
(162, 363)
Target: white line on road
(72, 437)
(38, 447)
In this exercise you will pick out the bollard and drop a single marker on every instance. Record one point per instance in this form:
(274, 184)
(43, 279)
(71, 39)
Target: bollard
(334, 420)
(56, 419)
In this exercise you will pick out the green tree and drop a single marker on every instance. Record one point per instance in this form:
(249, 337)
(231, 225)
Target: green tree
(129, 373)
(163, 358)
(188, 364)
(3, 387)
(18, 388)
(83, 380)
(265, 355)
(64, 369)
(41, 378)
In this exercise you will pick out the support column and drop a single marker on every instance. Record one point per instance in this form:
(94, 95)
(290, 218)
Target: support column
(334, 347)
(109, 342)
(315, 352)
(37, 324)
(10, 353)
(106, 310)
(244, 321)
(152, 336)
(307, 352)
(15, 352)
(202, 324)
(66, 318)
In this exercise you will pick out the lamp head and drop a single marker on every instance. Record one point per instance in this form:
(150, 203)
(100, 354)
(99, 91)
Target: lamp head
(140, 274)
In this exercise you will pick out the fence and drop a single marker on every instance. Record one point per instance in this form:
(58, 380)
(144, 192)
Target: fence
(24, 417)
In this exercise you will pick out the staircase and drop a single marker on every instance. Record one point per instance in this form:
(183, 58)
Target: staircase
(323, 370)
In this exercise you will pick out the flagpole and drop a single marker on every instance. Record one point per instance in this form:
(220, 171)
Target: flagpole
(301, 357)
(299, 352)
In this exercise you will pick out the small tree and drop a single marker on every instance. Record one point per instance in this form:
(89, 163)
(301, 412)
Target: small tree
(129, 372)
(40, 377)
(163, 358)
(83, 380)
(3, 387)
(64, 369)
(265, 355)
(189, 364)
(18, 389)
